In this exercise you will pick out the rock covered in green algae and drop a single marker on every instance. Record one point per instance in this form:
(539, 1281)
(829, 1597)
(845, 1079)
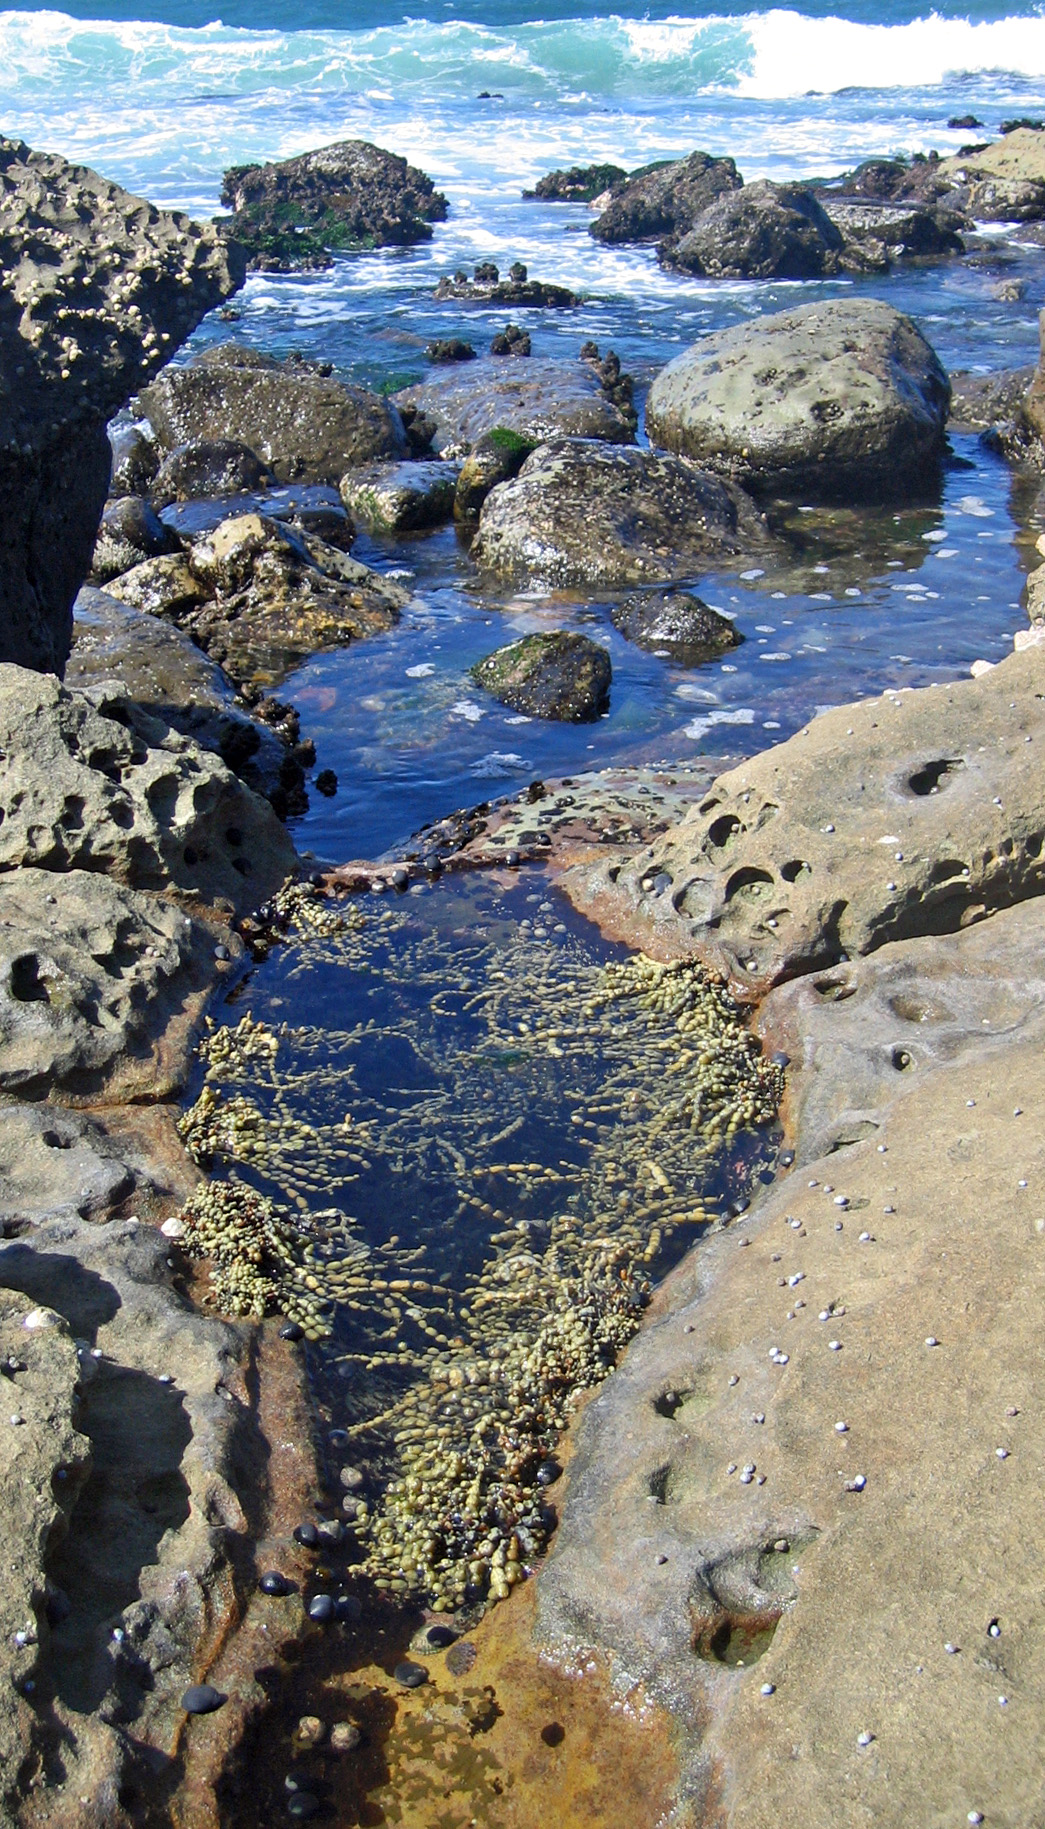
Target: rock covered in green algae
(563, 676)
(349, 196)
(494, 458)
(577, 184)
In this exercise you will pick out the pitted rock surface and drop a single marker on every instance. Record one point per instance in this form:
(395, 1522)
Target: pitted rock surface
(100, 290)
(99, 986)
(914, 813)
(56, 1163)
(582, 512)
(558, 674)
(828, 398)
(82, 791)
(306, 426)
(538, 399)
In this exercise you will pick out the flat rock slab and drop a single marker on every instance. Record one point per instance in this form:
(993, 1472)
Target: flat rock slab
(54, 1163)
(538, 399)
(304, 424)
(827, 399)
(82, 791)
(99, 986)
(914, 813)
(400, 498)
(868, 1565)
(582, 512)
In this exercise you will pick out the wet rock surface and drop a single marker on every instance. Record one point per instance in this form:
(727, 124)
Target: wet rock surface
(560, 675)
(538, 399)
(488, 288)
(143, 280)
(829, 398)
(399, 498)
(353, 195)
(301, 422)
(981, 401)
(494, 458)
(764, 231)
(129, 796)
(675, 621)
(131, 531)
(1001, 182)
(910, 814)
(877, 234)
(582, 512)
(578, 183)
(664, 200)
(204, 468)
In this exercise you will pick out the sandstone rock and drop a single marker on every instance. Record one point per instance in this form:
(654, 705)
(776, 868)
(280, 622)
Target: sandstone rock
(101, 289)
(561, 676)
(765, 231)
(145, 1545)
(99, 985)
(206, 467)
(399, 498)
(914, 813)
(677, 621)
(665, 199)
(305, 425)
(158, 587)
(44, 1461)
(131, 532)
(578, 184)
(82, 792)
(279, 597)
(494, 458)
(351, 195)
(538, 399)
(809, 1611)
(828, 398)
(122, 659)
(54, 1163)
(581, 512)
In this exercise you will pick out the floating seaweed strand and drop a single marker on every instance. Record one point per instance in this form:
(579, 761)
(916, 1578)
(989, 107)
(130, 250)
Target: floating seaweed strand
(512, 1132)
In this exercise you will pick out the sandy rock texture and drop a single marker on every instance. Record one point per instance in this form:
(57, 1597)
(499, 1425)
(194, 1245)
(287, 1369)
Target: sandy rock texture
(829, 399)
(55, 1163)
(305, 425)
(128, 796)
(914, 813)
(539, 399)
(101, 288)
(851, 1631)
(352, 195)
(584, 512)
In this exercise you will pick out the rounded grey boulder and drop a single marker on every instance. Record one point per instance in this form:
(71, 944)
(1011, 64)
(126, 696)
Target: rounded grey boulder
(584, 512)
(829, 398)
(559, 675)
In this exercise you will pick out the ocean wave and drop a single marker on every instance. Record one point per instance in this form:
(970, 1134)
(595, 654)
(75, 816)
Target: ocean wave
(770, 55)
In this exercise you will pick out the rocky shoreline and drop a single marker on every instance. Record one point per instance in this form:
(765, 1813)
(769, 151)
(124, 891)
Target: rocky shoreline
(869, 888)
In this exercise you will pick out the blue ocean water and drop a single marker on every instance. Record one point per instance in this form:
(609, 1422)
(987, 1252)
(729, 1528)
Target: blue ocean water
(486, 95)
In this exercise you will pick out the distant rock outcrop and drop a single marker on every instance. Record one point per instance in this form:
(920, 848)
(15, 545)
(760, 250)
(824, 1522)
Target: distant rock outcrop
(349, 196)
(99, 289)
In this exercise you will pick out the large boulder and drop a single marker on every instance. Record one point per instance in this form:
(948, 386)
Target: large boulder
(536, 400)
(351, 195)
(562, 676)
(584, 513)
(205, 468)
(827, 399)
(765, 231)
(81, 791)
(99, 290)
(664, 200)
(876, 233)
(305, 425)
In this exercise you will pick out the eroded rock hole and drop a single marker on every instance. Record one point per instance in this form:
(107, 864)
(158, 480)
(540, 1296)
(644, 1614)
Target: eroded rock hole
(722, 830)
(902, 1060)
(659, 1482)
(737, 1639)
(27, 983)
(834, 990)
(748, 883)
(794, 868)
(669, 1403)
(933, 775)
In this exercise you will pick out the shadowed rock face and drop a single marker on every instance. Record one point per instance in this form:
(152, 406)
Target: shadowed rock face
(99, 290)
(765, 231)
(665, 199)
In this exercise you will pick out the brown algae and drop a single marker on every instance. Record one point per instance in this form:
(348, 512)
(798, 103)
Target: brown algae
(458, 1170)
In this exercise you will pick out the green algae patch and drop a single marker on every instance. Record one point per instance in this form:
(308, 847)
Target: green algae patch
(483, 1132)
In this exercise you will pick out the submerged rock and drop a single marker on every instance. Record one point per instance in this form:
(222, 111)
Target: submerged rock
(305, 425)
(352, 195)
(101, 288)
(664, 200)
(538, 399)
(828, 398)
(561, 676)
(677, 621)
(82, 791)
(581, 512)
(397, 498)
(765, 231)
